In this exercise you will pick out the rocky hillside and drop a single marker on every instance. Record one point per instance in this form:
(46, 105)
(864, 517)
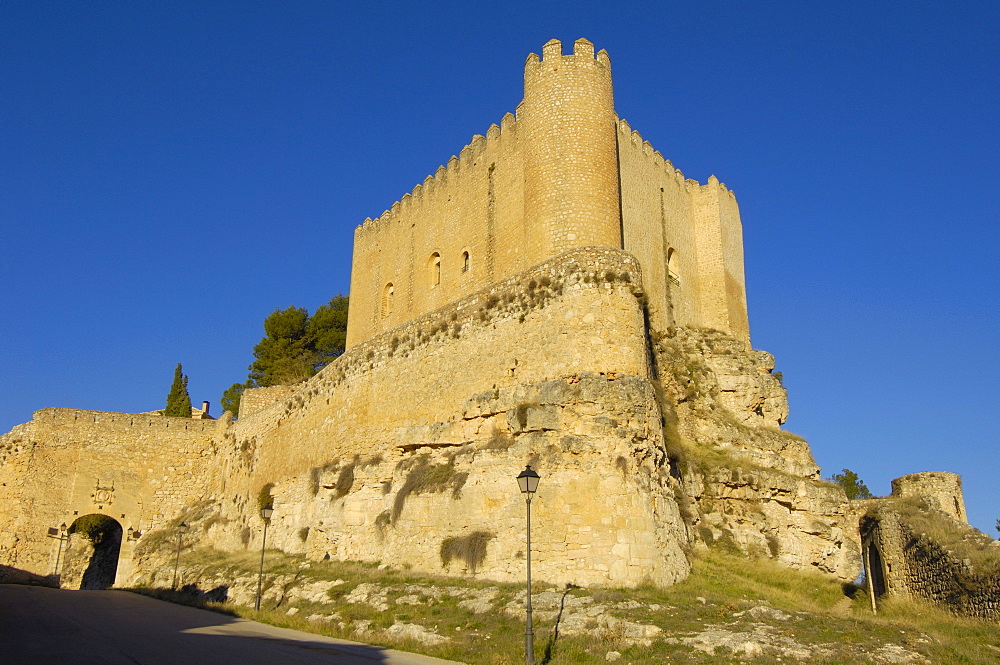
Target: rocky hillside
(742, 479)
(731, 609)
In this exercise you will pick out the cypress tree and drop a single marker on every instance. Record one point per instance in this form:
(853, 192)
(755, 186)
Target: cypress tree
(178, 400)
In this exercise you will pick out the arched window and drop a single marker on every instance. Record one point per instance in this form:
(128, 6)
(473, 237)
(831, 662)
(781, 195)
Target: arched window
(672, 267)
(465, 261)
(387, 294)
(435, 268)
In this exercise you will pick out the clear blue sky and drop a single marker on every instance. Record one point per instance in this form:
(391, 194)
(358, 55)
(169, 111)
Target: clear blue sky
(170, 173)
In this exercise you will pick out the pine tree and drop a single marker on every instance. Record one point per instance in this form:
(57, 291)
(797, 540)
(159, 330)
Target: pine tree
(178, 400)
(296, 346)
(233, 395)
(854, 487)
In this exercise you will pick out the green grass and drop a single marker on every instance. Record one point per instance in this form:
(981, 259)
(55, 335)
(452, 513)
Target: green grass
(822, 616)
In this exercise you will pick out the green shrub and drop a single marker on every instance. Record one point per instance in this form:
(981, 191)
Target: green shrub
(95, 527)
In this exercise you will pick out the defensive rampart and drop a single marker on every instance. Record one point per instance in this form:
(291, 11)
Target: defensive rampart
(912, 549)
(563, 173)
(140, 470)
(550, 365)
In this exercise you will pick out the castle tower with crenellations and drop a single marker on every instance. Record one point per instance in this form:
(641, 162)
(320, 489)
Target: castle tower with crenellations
(571, 193)
(564, 172)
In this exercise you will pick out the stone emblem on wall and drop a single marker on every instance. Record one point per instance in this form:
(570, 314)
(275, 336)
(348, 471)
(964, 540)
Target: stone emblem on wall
(103, 495)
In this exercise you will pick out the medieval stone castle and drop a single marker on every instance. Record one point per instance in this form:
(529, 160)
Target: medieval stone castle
(558, 294)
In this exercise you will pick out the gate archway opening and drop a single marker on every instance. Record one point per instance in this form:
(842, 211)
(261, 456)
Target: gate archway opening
(105, 536)
(876, 571)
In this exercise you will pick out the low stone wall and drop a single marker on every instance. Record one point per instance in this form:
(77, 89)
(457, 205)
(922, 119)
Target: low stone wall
(258, 399)
(905, 562)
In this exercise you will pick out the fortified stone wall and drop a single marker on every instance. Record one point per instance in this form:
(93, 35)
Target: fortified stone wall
(564, 173)
(257, 399)
(409, 443)
(456, 233)
(688, 238)
(140, 470)
(435, 393)
(422, 371)
(905, 560)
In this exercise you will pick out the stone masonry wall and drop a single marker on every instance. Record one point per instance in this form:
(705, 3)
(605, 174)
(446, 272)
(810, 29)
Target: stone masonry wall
(913, 563)
(256, 399)
(943, 489)
(687, 237)
(390, 400)
(563, 173)
(138, 469)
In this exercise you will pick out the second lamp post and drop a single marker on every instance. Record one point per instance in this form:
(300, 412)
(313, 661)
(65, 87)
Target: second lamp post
(181, 530)
(528, 482)
(265, 512)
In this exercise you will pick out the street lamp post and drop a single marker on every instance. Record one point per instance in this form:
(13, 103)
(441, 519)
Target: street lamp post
(527, 480)
(265, 513)
(62, 538)
(181, 530)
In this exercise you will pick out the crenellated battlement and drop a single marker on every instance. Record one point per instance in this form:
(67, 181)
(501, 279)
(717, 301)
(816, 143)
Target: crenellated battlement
(564, 171)
(474, 151)
(582, 48)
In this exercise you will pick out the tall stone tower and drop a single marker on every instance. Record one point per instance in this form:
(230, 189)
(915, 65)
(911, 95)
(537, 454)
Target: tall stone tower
(571, 193)
(562, 173)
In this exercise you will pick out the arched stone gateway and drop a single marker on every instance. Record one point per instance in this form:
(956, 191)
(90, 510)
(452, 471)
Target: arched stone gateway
(138, 470)
(92, 551)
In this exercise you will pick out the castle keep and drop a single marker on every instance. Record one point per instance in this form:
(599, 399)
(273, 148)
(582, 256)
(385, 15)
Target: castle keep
(559, 295)
(562, 173)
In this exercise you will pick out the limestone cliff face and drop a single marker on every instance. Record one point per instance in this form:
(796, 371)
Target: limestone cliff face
(744, 479)
(605, 513)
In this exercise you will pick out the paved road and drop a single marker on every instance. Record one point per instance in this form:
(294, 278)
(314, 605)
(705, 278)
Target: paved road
(42, 626)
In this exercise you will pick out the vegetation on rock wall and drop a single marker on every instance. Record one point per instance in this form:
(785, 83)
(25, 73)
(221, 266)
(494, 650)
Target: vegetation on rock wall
(471, 549)
(426, 477)
(264, 497)
(345, 480)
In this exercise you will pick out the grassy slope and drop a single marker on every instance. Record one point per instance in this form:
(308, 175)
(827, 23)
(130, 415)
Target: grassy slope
(822, 620)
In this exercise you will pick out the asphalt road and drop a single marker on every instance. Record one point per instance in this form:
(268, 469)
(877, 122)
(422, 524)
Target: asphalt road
(42, 626)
